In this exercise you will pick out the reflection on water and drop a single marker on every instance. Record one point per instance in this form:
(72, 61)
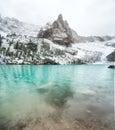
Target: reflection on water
(56, 97)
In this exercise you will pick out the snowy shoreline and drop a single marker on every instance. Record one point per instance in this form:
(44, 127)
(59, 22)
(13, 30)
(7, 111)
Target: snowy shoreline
(22, 50)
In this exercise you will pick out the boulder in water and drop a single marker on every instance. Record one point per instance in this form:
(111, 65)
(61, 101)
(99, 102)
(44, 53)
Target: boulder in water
(111, 66)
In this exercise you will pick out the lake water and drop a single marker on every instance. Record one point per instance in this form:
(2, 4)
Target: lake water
(56, 97)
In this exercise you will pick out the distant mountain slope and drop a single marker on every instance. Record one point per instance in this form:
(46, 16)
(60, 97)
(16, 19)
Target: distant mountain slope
(94, 38)
(92, 52)
(12, 25)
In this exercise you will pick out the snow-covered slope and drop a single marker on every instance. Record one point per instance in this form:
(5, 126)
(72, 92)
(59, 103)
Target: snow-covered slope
(12, 25)
(16, 49)
(19, 44)
(94, 38)
(31, 50)
(94, 51)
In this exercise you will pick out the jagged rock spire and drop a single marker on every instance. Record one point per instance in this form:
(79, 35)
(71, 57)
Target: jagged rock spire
(59, 32)
(60, 18)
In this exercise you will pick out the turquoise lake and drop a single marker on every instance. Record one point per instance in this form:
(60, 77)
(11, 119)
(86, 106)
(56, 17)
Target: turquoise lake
(34, 94)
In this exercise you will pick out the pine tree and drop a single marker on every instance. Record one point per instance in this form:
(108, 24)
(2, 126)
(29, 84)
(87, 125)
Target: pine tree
(1, 40)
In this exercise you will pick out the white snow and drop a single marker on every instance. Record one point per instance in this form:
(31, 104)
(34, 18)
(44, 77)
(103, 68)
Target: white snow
(5, 45)
(12, 49)
(3, 33)
(93, 49)
(88, 52)
(12, 25)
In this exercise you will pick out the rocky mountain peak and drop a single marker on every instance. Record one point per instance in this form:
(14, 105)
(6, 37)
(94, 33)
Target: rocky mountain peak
(60, 18)
(59, 32)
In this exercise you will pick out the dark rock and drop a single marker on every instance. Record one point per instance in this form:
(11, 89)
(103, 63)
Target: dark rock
(59, 32)
(111, 57)
(78, 61)
(111, 66)
(49, 62)
(32, 46)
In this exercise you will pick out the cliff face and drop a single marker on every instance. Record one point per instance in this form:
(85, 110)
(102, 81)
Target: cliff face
(111, 57)
(58, 32)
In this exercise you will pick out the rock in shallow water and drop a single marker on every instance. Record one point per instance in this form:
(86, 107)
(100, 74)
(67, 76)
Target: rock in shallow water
(111, 66)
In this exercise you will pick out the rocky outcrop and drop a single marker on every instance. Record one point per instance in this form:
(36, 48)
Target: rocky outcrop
(59, 32)
(111, 66)
(111, 57)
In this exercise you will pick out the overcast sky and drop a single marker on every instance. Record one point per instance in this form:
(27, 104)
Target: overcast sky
(87, 17)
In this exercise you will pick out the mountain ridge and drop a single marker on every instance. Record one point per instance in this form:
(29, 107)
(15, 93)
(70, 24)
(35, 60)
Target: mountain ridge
(20, 43)
(60, 32)
(13, 25)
